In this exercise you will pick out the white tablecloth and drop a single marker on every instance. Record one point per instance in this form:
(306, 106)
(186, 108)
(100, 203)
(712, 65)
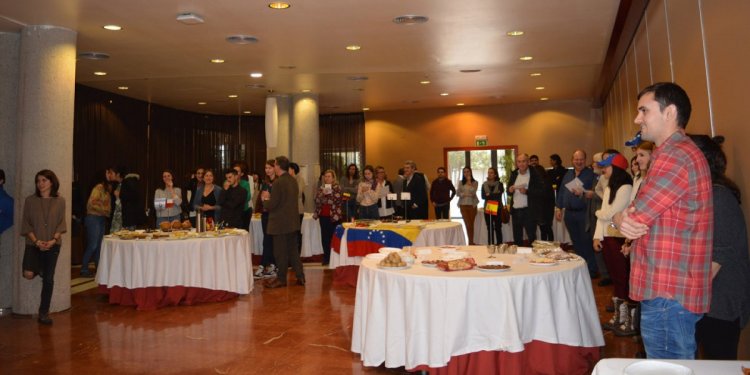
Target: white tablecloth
(222, 263)
(424, 316)
(616, 366)
(480, 231)
(311, 244)
(435, 233)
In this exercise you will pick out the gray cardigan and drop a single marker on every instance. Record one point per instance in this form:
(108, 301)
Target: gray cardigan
(730, 295)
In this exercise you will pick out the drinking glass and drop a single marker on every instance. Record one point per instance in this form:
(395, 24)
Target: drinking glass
(491, 249)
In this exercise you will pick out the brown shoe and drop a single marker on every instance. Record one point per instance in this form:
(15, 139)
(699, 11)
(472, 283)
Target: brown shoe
(276, 283)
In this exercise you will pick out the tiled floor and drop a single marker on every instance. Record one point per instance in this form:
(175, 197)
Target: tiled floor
(300, 330)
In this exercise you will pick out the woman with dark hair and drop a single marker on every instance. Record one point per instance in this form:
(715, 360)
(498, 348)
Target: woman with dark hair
(368, 193)
(349, 184)
(718, 332)
(467, 201)
(191, 187)
(43, 225)
(267, 267)
(328, 210)
(171, 197)
(609, 240)
(492, 190)
(207, 197)
(98, 208)
(557, 171)
(247, 184)
(385, 207)
(634, 169)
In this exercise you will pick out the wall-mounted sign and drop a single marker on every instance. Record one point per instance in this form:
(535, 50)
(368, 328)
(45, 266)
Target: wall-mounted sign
(480, 140)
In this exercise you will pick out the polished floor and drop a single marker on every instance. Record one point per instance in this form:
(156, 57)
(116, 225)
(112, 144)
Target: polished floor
(294, 330)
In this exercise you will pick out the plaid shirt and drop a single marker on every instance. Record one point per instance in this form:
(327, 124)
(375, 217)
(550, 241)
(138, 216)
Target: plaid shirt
(673, 260)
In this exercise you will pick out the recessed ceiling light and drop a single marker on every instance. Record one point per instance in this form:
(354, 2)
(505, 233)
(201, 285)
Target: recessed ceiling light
(189, 18)
(460, 104)
(287, 67)
(535, 74)
(353, 47)
(100, 73)
(425, 82)
(366, 108)
(539, 88)
(514, 33)
(410, 19)
(279, 5)
(232, 96)
(470, 70)
(112, 27)
(242, 39)
(544, 99)
(306, 90)
(122, 87)
(201, 103)
(256, 86)
(526, 58)
(357, 78)
(217, 61)
(93, 55)
(256, 75)
(444, 94)
(246, 112)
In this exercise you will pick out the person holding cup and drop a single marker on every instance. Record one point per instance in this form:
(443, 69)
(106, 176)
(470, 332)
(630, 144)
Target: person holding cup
(167, 199)
(328, 210)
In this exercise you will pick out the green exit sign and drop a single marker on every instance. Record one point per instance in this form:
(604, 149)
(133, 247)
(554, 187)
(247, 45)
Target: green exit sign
(481, 142)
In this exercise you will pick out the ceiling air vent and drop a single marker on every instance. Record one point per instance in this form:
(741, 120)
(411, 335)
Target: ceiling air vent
(242, 39)
(410, 19)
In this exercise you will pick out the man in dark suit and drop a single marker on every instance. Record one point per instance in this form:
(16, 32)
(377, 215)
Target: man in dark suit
(283, 223)
(232, 200)
(416, 185)
(527, 194)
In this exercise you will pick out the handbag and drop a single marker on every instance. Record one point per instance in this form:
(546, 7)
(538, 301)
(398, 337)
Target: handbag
(504, 215)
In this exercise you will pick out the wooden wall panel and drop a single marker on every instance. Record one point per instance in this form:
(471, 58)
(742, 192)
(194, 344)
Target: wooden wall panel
(642, 57)
(658, 41)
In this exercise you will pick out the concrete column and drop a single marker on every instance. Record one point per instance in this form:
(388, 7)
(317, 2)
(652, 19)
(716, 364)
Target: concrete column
(9, 44)
(306, 142)
(283, 144)
(44, 136)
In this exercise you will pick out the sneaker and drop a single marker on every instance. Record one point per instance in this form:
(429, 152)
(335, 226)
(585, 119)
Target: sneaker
(258, 273)
(269, 272)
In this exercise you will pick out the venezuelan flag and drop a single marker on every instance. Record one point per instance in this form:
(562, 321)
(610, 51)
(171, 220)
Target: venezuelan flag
(363, 241)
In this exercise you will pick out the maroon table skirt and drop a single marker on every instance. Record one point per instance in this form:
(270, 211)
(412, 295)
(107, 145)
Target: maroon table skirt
(152, 298)
(345, 276)
(538, 357)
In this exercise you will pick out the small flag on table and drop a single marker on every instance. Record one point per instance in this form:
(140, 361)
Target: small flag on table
(491, 207)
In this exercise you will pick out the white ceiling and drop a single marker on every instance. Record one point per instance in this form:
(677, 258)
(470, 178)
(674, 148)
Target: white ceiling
(166, 62)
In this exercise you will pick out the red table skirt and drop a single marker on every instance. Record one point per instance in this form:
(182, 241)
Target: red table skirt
(345, 276)
(537, 358)
(152, 298)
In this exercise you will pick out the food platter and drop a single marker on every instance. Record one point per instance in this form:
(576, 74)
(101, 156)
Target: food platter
(493, 268)
(394, 268)
(543, 262)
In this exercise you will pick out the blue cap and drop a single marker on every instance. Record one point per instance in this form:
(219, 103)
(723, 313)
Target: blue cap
(635, 141)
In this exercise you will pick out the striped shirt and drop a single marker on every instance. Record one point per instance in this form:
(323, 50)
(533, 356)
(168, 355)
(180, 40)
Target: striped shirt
(673, 260)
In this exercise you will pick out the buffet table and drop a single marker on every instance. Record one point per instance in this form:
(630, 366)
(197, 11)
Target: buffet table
(311, 244)
(480, 231)
(150, 274)
(350, 243)
(530, 319)
(618, 366)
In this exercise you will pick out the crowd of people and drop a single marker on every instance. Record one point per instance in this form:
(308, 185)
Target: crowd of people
(667, 222)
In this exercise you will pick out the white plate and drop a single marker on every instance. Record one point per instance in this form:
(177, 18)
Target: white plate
(430, 265)
(652, 367)
(448, 249)
(454, 255)
(375, 256)
(491, 270)
(543, 264)
(423, 251)
(495, 263)
(394, 268)
(388, 250)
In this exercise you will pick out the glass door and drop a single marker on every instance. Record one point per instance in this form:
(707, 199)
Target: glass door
(502, 158)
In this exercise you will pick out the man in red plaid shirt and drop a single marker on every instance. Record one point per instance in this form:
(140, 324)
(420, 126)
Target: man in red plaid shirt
(671, 223)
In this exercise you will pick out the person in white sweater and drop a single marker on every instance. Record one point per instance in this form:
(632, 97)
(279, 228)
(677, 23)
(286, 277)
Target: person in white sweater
(608, 239)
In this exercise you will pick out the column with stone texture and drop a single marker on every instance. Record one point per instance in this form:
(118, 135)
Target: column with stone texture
(306, 142)
(9, 44)
(283, 129)
(44, 135)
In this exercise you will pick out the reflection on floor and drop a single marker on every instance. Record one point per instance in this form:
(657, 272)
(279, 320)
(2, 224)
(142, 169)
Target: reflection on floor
(301, 330)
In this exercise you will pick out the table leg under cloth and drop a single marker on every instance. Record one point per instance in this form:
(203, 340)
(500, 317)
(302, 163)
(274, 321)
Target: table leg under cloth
(538, 357)
(152, 298)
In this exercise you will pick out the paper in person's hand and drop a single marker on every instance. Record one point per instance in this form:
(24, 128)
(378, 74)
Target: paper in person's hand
(574, 185)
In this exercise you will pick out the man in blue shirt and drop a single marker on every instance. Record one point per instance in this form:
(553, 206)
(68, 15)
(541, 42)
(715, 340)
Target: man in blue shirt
(572, 200)
(6, 206)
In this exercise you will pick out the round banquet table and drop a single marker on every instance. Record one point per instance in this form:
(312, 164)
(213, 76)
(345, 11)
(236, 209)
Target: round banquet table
(530, 319)
(150, 274)
(311, 244)
(346, 255)
(617, 366)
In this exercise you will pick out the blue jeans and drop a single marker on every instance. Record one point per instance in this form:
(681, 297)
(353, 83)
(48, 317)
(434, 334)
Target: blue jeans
(668, 329)
(575, 221)
(94, 234)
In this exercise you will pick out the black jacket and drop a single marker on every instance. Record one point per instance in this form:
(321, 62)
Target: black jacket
(535, 192)
(131, 199)
(418, 189)
(232, 202)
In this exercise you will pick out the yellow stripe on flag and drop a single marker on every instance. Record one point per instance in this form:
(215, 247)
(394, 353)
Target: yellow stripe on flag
(491, 207)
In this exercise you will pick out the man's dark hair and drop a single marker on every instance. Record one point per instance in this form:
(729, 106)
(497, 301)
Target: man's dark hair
(282, 162)
(556, 158)
(120, 169)
(535, 156)
(2, 176)
(230, 171)
(668, 93)
(294, 166)
(441, 168)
